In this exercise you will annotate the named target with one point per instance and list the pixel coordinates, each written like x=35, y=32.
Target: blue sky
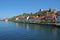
x=9, y=8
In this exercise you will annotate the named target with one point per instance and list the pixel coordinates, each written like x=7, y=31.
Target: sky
x=10, y=8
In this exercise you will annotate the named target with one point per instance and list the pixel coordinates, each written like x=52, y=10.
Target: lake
x=22, y=31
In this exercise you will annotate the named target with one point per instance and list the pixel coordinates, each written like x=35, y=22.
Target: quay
x=51, y=24
x=48, y=24
x=57, y=24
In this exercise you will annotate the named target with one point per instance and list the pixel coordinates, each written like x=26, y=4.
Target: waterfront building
x=58, y=19
x=58, y=16
x=28, y=18
x=6, y=19
x=50, y=17
x=17, y=18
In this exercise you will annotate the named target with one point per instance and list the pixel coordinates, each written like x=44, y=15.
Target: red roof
x=51, y=15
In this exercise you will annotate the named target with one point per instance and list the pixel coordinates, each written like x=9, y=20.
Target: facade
x=17, y=18
x=6, y=19
x=58, y=16
x=49, y=17
x=58, y=13
x=23, y=18
x=58, y=19
x=28, y=18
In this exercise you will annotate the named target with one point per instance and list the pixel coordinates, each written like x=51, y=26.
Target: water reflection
x=22, y=31
x=6, y=23
x=27, y=27
x=40, y=32
x=33, y=26
x=54, y=33
x=17, y=24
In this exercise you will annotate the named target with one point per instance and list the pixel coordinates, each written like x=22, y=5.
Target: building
x=58, y=16
x=6, y=19
x=50, y=17
x=17, y=18
x=28, y=18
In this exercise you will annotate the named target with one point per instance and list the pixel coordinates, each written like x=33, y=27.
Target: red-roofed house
x=49, y=17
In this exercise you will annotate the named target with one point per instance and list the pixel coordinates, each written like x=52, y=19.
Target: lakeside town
x=42, y=16
x=29, y=19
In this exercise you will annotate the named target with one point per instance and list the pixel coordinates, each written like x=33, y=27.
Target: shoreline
x=47, y=24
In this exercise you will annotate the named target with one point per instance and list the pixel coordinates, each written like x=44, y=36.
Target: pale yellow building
x=6, y=19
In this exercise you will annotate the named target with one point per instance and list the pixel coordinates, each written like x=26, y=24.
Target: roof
x=53, y=16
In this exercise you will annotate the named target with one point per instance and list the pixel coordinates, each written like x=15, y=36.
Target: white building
x=27, y=17
x=6, y=19
x=17, y=18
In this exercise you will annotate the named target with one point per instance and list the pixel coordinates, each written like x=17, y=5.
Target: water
x=20, y=31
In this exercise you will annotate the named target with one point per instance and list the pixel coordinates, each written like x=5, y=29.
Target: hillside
x=40, y=13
